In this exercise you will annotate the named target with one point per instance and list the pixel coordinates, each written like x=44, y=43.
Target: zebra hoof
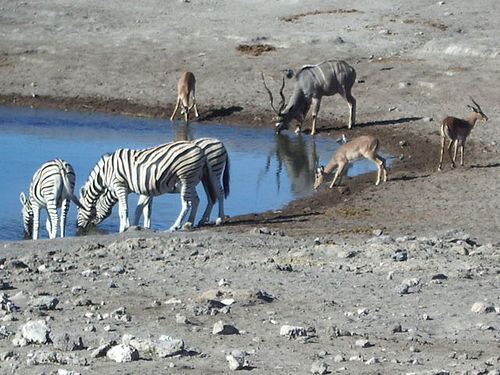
x=218, y=221
x=187, y=226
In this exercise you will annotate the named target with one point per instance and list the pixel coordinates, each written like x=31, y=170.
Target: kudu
x=365, y=146
x=457, y=130
x=312, y=83
x=185, y=89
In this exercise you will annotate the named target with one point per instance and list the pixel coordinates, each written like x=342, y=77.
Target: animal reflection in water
x=300, y=161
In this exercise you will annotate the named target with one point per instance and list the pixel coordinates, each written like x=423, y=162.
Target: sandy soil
x=332, y=263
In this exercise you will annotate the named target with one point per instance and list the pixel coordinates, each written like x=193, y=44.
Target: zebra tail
x=226, y=178
x=68, y=188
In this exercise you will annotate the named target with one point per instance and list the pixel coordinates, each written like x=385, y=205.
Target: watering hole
x=267, y=170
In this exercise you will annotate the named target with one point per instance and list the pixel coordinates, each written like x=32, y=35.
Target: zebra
x=170, y=167
x=218, y=162
x=51, y=188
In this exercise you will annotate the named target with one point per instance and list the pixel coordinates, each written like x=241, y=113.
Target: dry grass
x=318, y=12
x=255, y=49
x=349, y=212
x=440, y=26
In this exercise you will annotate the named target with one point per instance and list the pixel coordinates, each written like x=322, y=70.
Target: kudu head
x=478, y=113
x=283, y=120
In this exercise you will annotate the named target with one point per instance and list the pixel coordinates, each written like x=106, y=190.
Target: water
x=267, y=171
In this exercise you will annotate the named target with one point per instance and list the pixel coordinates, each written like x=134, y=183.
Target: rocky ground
x=397, y=279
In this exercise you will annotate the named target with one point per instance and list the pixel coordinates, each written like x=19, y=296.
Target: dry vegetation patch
x=255, y=49
x=318, y=12
x=437, y=25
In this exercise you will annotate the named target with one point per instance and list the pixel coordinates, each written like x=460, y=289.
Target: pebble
x=35, y=332
x=363, y=343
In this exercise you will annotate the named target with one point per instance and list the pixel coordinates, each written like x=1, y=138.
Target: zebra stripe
x=175, y=166
x=218, y=162
x=51, y=188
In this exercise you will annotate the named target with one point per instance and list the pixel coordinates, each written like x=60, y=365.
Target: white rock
x=237, y=360
x=36, y=332
x=483, y=307
x=319, y=368
x=292, y=331
x=123, y=353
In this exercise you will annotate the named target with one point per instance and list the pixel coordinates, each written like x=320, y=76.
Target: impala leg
x=64, y=213
x=175, y=109
x=194, y=105
x=443, y=142
x=449, y=153
x=462, y=147
x=338, y=174
x=316, y=102
x=352, y=109
x=455, y=153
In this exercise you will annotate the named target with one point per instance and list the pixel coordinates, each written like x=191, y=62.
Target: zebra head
x=27, y=212
x=87, y=211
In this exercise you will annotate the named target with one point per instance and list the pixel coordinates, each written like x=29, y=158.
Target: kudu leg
x=352, y=110
x=315, y=109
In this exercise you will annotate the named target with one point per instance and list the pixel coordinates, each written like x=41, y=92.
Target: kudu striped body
x=312, y=83
x=175, y=166
x=51, y=188
x=457, y=130
x=218, y=162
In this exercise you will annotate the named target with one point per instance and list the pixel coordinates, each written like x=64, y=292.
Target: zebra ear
x=22, y=198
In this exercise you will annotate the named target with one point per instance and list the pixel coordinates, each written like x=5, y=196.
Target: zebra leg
x=186, y=196
x=123, y=210
x=52, y=217
x=36, y=221
x=210, y=203
x=64, y=212
x=143, y=207
x=195, y=201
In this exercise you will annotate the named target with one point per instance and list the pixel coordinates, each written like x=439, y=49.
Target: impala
x=365, y=146
x=185, y=89
x=457, y=130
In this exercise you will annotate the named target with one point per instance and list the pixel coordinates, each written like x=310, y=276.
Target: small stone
x=319, y=368
x=339, y=358
x=46, y=303
x=237, y=360
x=292, y=331
x=372, y=361
x=483, y=307
x=224, y=329
x=363, y=343
x=400, y=256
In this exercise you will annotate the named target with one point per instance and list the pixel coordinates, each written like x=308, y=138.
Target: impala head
x=283, y=119
x=27, y=212
x=477, y=110
x=319, y=177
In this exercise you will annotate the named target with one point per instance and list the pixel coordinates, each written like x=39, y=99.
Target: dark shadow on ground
x=491, y=165
x=408, y=178
x=221, y=112
x=380, y=122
